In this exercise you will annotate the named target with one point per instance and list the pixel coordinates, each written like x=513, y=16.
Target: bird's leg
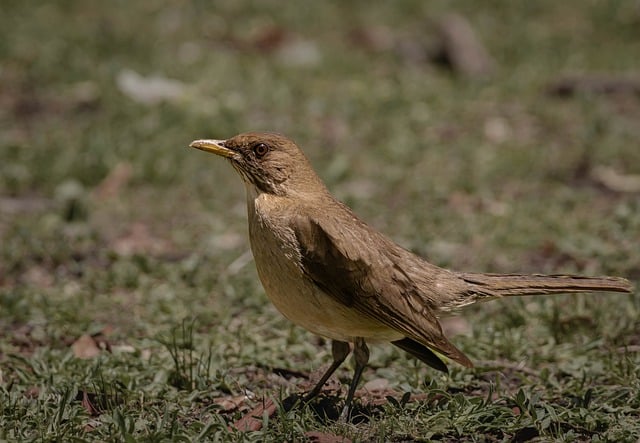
x=340, y=350
x=361, y=357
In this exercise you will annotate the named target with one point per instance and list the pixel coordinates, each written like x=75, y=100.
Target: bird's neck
x=307, y=194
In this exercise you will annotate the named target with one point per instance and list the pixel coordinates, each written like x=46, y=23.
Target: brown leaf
x=453, y=326
x=139, y=240
x=321, y=437
x=87, y=404
x=114, y=182
x=252, y=421
x=149, y=90
x=594, y=84
x=270, y=38
x=372, y=38
x=39, y=276
x=378, y=395
x=32, y=392
x=101, y=341
x=462, y=49
x=376, y=385
x=85, y=347
x=331, y=386
x=616, y=181
x=230, y=403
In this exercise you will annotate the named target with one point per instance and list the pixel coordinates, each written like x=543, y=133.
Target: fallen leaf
x=123, y=349
x=462, y=49
x=453, y=326
x=377, y=384
x=270, y=38
x=24, y=204
x=84, y=95
x=373, y=38
x=615, y=181
x=114, y=182
x=139, y=241
x=39, y=276
x=299, y=53
x=252, y=421
x=85, y=347
x=496, y=129
x=230, y=403
x=32, y=392
x=594, y=84
x=88, y=405
x=290, y=373
x=149, y=90
x=321, y=437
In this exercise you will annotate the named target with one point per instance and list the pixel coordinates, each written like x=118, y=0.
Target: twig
x=496, y=364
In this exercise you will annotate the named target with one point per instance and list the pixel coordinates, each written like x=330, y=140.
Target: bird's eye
x=260, y=149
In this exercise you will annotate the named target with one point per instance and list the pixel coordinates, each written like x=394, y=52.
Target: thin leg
x=361, y=356
x=340, y=350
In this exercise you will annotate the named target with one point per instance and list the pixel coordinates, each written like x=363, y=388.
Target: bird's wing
x=368, y=281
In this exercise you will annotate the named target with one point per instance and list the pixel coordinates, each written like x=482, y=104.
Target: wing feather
x=369, y=281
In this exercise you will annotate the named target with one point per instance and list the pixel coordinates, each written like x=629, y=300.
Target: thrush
x=328, y=271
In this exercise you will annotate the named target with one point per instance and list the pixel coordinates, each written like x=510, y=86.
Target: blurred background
x=491, y=136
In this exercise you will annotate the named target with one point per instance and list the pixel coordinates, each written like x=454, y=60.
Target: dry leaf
x=230, y=403
x=113, y=183
x=453, y=326
x=377, y=384
x=462, y=48
x=32, y=392
x=594, y=84
x=252, y=421
x=615, y=181
x=149, y=90
x=373, y=38
x=321, y=437
x=85, y=347
x=299, y=53
x=139, y=240
x=88, y=405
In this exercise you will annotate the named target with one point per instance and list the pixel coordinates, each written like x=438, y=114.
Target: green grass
x=157, y=270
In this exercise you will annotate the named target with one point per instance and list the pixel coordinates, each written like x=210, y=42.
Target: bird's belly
x=304, y=303
x=317, y=312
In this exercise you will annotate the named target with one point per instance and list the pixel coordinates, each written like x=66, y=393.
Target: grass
x=110, y=228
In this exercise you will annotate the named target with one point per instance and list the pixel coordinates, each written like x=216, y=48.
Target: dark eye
x=260, y=149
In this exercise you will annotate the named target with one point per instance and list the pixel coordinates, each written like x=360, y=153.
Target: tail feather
x=424, y=354
x=504, y=285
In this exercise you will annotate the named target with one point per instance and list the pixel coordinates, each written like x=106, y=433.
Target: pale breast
x=277, y=260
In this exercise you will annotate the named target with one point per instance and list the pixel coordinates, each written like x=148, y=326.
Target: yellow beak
x=215, y=146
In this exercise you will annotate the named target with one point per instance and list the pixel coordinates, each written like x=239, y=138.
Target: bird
x=331, y=273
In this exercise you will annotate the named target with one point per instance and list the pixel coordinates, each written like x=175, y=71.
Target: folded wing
x=345, y=266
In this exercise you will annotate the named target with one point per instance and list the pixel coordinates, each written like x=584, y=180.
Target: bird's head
x=269, y=162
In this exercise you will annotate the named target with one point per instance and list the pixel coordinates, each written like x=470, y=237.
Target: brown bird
x=331, y=273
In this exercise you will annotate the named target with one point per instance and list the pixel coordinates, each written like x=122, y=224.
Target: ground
x=129, y=306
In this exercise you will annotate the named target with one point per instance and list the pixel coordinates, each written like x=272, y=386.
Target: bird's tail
x=487, y=286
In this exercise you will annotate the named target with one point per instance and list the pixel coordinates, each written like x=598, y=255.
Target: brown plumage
x=331, y=273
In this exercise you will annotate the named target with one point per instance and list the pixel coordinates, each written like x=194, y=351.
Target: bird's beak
x=215, y=146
